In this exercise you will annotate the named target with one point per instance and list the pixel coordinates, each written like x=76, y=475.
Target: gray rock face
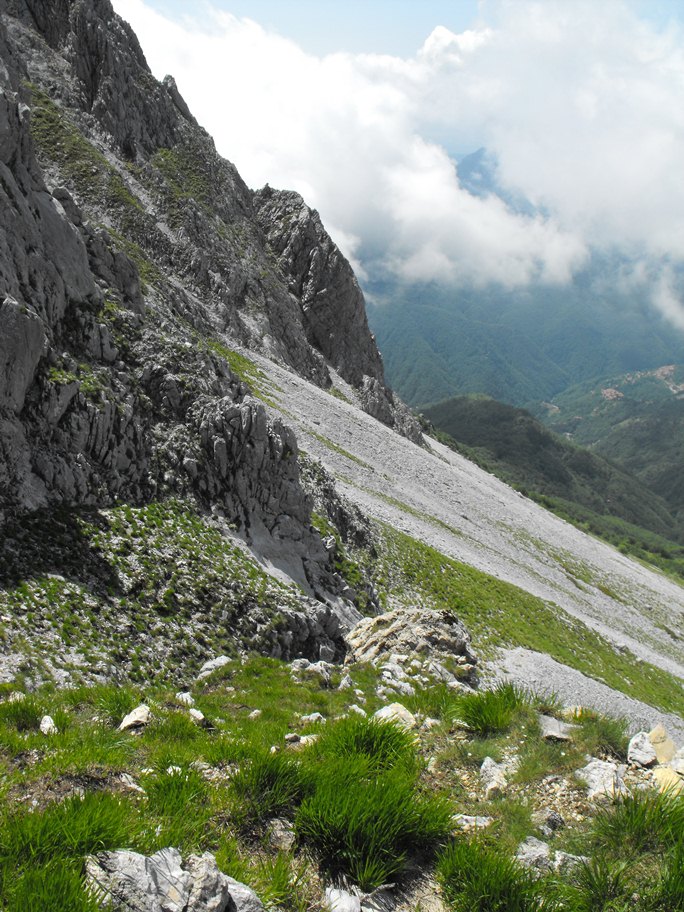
x=319, y=276
x=115, y=345
x=164, y=883
x=115, y=376
x=332, y=304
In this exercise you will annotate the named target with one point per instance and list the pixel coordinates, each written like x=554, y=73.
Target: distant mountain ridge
x=636, y=420
x=517, y=345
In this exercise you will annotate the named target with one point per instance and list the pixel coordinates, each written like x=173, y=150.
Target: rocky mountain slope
x=169, y=341
x=204, y=485
x=132, y=259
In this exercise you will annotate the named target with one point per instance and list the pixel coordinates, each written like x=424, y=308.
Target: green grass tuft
x=478, y=878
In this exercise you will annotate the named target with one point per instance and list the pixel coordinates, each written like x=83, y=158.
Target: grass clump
x=366, y=813
x=270, y=785
x=603, y=735
x=72, y=829
x=363, y=824
x=57, y=886
x=381, y=744
x=114, y=702
x=642, y=821
x=476, y=877
x=21, y=715
x=41, y=853
x=492, y=711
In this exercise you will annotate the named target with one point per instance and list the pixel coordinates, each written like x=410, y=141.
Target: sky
x=364, y=108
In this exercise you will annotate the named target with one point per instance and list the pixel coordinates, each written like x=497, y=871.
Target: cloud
x=579, y=102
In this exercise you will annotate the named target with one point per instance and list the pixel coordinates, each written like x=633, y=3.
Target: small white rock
x=196, y=715
x=312, y=718
x=255, y=713
x=185, y=697
x=47, y=726
x=641, y=751
x=341, y=901
x=137, y=718
x=395, y=712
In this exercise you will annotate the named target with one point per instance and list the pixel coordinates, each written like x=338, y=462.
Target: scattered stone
x=185, y=697
x=663, y=745
x=395, y=712
x=358, y=710
x=603, y=779
x=564, y=862
x=308, y=739
x=641, y=750
x=137, y=718
x=346, y=683
x=197, y=716
x=341, y=901
x=47, y=726
x=493, y=776
x=667, y=780
x=467, y=822
x=292, y=738
x=129, y=783
x=255, y=713
x=211, y=666
x=244, y=897
x=312, y=718
x=535, y=855
x=555, y=730
x=280, y=834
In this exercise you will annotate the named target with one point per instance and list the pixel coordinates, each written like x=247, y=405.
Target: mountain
x=225, y=544
x=518, y=346
x=636, y=419
x=191, y=459
x=575, y=482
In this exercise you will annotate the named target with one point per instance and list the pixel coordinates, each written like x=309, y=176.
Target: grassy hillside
x=582, y=486
x=518, y=347
x=637, y=420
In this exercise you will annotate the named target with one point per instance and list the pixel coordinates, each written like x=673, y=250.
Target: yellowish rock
x=663, y=745
x=667, y=780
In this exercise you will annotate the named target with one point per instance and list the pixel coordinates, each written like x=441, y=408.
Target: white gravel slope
x=472, y=516
x=543, y=674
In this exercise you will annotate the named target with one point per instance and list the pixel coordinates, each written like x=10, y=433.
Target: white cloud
x=579, y=101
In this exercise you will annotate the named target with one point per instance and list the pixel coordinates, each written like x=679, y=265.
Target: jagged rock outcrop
x=322, y=281
x=419, y=633
x=163, y=882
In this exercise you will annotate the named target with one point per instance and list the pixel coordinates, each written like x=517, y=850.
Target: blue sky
x=377, y=26
x=361, y=106
x=358, y=26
